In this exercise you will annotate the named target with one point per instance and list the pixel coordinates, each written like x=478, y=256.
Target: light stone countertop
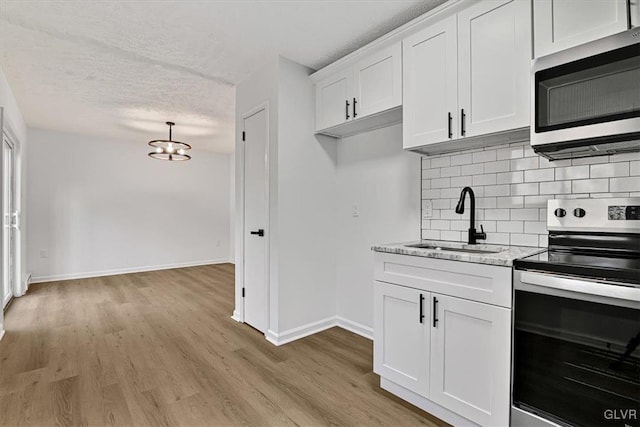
x=505, y=257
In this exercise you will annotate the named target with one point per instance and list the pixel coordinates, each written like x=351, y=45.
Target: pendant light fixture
x=168, y=149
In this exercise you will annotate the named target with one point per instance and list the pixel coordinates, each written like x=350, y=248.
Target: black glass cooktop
x=603, y=267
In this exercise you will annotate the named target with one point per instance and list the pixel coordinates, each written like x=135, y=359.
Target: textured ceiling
x=123, y=68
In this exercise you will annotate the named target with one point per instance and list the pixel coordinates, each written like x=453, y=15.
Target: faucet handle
x=481, y=235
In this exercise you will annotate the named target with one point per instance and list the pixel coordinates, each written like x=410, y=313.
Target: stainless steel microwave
x=586, y=99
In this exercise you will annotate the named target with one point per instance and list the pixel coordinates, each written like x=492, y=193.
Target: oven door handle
x=612, y=294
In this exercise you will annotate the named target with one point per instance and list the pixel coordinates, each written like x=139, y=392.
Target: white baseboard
x=86, y=275
x=237, y=317
x=319, y=326
x=1, y=334
x=355, y=327
x=301, y=331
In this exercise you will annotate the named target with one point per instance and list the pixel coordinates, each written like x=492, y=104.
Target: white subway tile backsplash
x=452, y=235
x=524, y=239
x=535, y=227
x=497, y=166
x=450, y=171
x=474, y=169
x=555, y=187
x=512, y=187
x=510, y=177
x=608, y=170
x=441, y=183
x=631, y=183
x=461, y=181
x=537, y=175
x=497, y=190
x=512, y=226
x=484, y=179
x=590, y=186
x=440, y=162
x=524, y=189
x=510, y=202
x=509, y=153
x=524, y=163
x=590, y=160
x=461, y=159
x=535, y=201
x=572, y=172
x=527, y=214
x=431, y=173
x=484, y=156
x=497, y=214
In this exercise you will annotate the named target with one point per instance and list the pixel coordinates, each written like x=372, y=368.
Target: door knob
x=260, y=232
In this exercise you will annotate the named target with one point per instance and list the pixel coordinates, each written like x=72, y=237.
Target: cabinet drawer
x=478, y=282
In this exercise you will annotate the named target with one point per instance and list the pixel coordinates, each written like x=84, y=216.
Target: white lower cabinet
x=451, y=353
x=470, y=360
x=401, y=336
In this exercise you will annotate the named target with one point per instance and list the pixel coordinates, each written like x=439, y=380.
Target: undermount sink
x=444, y=248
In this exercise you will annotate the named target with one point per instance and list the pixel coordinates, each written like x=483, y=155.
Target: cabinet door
x=430, y=94
x=470, y=359
x=401, y=336
x=560, y=24
x=332, y=96
x=494, y=66
x=378, y=82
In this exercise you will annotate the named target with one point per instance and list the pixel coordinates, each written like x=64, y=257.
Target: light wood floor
x=159, y=348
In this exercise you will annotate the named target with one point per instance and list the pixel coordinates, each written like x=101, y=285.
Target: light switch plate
x=427, y=209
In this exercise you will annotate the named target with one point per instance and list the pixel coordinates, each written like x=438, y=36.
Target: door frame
x=238, y=313
x=6, y=132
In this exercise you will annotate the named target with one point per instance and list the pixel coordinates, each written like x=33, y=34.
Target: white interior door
x=431, y=85
x=256, y=134
x=7, y=222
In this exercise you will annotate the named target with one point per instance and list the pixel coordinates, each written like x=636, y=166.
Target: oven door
x=576, y=353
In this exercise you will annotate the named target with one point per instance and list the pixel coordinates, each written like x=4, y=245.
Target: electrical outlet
x=44, y=253
x=427, y=209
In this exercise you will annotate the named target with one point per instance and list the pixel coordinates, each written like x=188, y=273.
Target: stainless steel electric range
x=576, y=355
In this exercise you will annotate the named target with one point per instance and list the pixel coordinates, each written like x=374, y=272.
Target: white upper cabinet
x=470, y=359
x=401, y=336
x=468, y=75
x=560, y=24
x=430, y=85
x=494, y=67
x=378, y=82
x=332, y=100
x=351, y=100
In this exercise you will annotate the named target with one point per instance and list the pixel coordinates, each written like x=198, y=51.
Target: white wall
x=383, y=181
x=97, y=206
x=306, y=205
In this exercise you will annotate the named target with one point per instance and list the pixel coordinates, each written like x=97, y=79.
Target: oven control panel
x=624, y=213
x=607, y=215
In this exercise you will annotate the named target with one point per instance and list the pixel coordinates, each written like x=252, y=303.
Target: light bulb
x=181, y=151
x=159, y=150
x=170, y=148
